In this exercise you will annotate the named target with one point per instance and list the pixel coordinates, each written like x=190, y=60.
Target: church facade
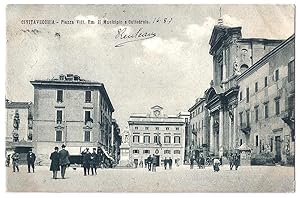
x=250, y=99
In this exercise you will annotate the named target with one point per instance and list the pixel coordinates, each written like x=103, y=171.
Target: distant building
x=19, y=124
x=158, y=134
x=72, y=111
x=251, y=98
x=116, y=140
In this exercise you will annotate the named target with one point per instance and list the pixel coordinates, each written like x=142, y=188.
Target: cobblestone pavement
x=179, y=179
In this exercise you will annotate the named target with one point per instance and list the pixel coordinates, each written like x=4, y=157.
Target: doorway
x=277, y=149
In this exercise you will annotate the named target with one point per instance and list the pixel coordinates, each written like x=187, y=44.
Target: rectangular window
x=167, y=151
x=156, y=128
x=58, y=116
x=155, y=139
x=291, y=106
x=266, y=110
x=177, y=139
x=256, y=113
x=167, y=139
x=256, y=140
x=177, y=128
x=135, y=151
x=277, y=107
x=247, y=94
x=87, y=136
x=271, y=145
x=256, y=87
x=248, y=118
x=147, y=139
x=88, y=96
x=241, y=95
x=136, y=139
x=146, y=128
x=58, y=136
x=176, y=151
x=136, y=128
x=59, y=96
x=241, y=142
x=167, y=128
x=266, y=81
x=146, y=151
x=87, y=116
x=277, y=75
x=241, y=118
x=291, y=71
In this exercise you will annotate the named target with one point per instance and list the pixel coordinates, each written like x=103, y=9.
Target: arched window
x=243, y=68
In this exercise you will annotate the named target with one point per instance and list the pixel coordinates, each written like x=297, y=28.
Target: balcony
x=245, y=128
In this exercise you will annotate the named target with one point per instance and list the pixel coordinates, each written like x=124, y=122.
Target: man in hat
x=15, y=159
x=63, y=160
x=86, y=158
x=94, y=161
x=30, y=160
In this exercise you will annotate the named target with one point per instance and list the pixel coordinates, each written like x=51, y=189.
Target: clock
x=156, y=113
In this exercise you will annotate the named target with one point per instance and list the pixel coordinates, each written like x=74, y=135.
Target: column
x=224, y=65
x=211, y=136
x=229, y=133
x=221, y=125
x=112, y=141
x=235, y=120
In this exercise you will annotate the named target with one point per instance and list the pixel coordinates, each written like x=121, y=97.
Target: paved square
x=179, y=179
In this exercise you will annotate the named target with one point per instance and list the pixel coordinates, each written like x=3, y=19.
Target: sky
x=171, y=69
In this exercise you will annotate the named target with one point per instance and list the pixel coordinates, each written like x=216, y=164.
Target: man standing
x=86, y=158
x=165, y=163
x=149, y=162
x=54, y=167
x=231, y=161
x=94, y=161
x=170, y=163
x=30, y=161
x=236, y=160
x=191, y=162
x=63, y=160
x=154, y=163
x=15, y=159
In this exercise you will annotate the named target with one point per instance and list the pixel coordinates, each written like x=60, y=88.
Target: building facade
x=156, y=133
x=72, y=111
x=19, y=127
x=251, y=96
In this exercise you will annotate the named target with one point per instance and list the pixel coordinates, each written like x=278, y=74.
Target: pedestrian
x=165, y=163
x=202, y=161
x=141, y=164
x=86, y=159
x=30, y=160
x=135, y=163
x=149, y=161
x=170, y=163
x=216, y=164
x=94, y=161
x=15, y=160
x=191, y=162
x=63, y=160
x=231, y=161
x=236, y=161
x=154, y=163
x=8, y=160
x=54, y=166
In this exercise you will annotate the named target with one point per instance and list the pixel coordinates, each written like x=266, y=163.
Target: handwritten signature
x=126, y=37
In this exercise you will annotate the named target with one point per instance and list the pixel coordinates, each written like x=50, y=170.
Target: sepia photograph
x=150, y=98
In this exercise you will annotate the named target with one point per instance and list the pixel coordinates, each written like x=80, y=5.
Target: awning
x=244, y=147
x=106, y=154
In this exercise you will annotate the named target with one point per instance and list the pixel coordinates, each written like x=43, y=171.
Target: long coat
x=54, y=161
x=30, y=158
x=94, y=159
x=64, y=157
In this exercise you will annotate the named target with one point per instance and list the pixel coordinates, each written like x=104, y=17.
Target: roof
x=80, y=83
x=260, y=62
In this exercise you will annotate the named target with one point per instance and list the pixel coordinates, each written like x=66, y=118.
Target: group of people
x=151, y=163
x=15, y=156
x=168, y=162
x=234, y=160
x=90, y=161
x=200, y=162
x=59, y=161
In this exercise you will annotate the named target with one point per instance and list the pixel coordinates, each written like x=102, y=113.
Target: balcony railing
x=245, y=127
